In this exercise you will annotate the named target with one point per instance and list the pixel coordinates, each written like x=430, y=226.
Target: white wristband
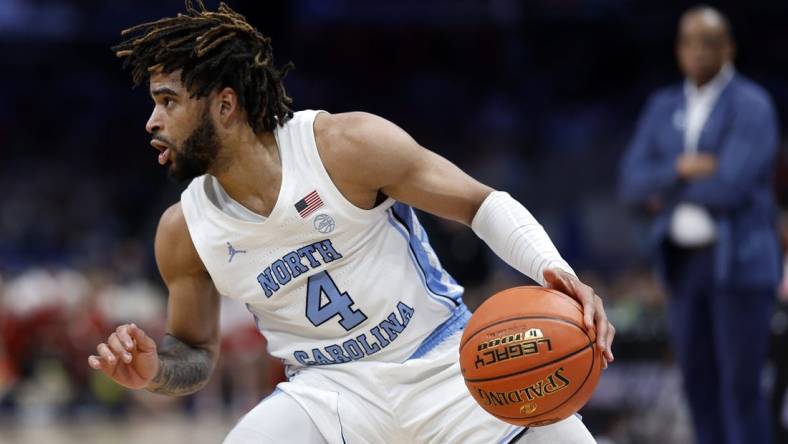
x=515, y=236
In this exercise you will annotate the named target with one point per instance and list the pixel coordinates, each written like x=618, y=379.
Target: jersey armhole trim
x=320, y=169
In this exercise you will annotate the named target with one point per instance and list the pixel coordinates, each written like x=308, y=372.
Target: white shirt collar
x=714, y=87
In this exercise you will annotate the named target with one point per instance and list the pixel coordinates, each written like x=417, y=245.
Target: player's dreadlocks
x=213, y=50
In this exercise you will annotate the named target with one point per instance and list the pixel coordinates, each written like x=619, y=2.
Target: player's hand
x=594, y=315
x=128, y=357
x=696, y=166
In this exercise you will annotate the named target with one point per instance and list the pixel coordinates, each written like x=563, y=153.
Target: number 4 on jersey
x=339, y=304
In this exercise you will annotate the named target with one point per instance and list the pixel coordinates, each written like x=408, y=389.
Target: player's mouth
x=164, y=150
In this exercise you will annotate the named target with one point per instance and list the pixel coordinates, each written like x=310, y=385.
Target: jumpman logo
x=232, y=252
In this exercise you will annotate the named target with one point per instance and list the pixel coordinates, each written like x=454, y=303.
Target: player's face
x=702, y=47
x=181, y=128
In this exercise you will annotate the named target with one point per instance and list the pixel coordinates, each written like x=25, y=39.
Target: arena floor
x=203, y=429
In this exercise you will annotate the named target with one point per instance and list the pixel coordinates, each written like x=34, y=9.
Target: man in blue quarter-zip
x=702, y=162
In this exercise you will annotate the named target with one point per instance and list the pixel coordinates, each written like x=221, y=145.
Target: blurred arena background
x=537, y=97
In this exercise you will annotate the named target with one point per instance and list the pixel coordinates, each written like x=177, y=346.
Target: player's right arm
x=185, y=359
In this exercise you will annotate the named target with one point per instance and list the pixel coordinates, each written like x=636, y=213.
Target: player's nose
x=153, y=125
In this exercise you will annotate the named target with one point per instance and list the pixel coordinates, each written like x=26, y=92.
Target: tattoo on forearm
x=183, y=369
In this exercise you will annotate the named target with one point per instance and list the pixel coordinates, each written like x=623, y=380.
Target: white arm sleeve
x=516, y=237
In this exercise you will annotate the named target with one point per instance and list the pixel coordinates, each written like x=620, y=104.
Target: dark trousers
x=779, y=357
x=720, y=338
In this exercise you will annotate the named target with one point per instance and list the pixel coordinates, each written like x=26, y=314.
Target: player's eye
x=167, y=102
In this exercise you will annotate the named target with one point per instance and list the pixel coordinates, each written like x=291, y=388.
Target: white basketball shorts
x=418, y=401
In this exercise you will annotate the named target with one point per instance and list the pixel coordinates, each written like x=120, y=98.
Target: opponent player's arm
x=367, y=155
x=190, y=349
x=184, y=361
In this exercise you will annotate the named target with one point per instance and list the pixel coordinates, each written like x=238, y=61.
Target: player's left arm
x=367, y=155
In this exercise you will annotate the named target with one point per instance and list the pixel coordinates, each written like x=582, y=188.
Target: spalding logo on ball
x=527, y=358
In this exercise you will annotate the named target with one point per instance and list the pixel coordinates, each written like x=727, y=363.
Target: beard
x=197, y=153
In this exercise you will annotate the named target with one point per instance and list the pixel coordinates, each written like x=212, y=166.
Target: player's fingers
x=601, y=327
x=611, y=332
x=590, y=311
x=118, y=349
x=571, y=285
x=125, y=337
x=585, y=295
x=144, y=342
x=99, y=363
x=605, y=328
x=94, y=362
x=604, y=360
x=108, y=358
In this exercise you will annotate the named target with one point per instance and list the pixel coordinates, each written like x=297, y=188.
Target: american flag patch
x=309, y=204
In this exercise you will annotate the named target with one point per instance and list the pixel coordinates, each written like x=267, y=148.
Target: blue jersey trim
x=444, y=300
x=436, y=279
x=439, y=280
x=451, y=326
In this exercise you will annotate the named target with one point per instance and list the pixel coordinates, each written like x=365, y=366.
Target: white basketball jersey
x=327, y=282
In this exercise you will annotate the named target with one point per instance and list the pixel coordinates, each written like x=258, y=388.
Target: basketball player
x=307, y=219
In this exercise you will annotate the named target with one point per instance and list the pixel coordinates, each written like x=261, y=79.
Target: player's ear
x=227, y=103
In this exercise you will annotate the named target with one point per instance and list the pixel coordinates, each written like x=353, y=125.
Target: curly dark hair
x=214, y=50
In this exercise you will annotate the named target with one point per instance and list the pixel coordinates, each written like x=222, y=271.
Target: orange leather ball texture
x=527, y=358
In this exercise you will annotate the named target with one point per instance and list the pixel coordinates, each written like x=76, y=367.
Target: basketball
x=527, y=358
